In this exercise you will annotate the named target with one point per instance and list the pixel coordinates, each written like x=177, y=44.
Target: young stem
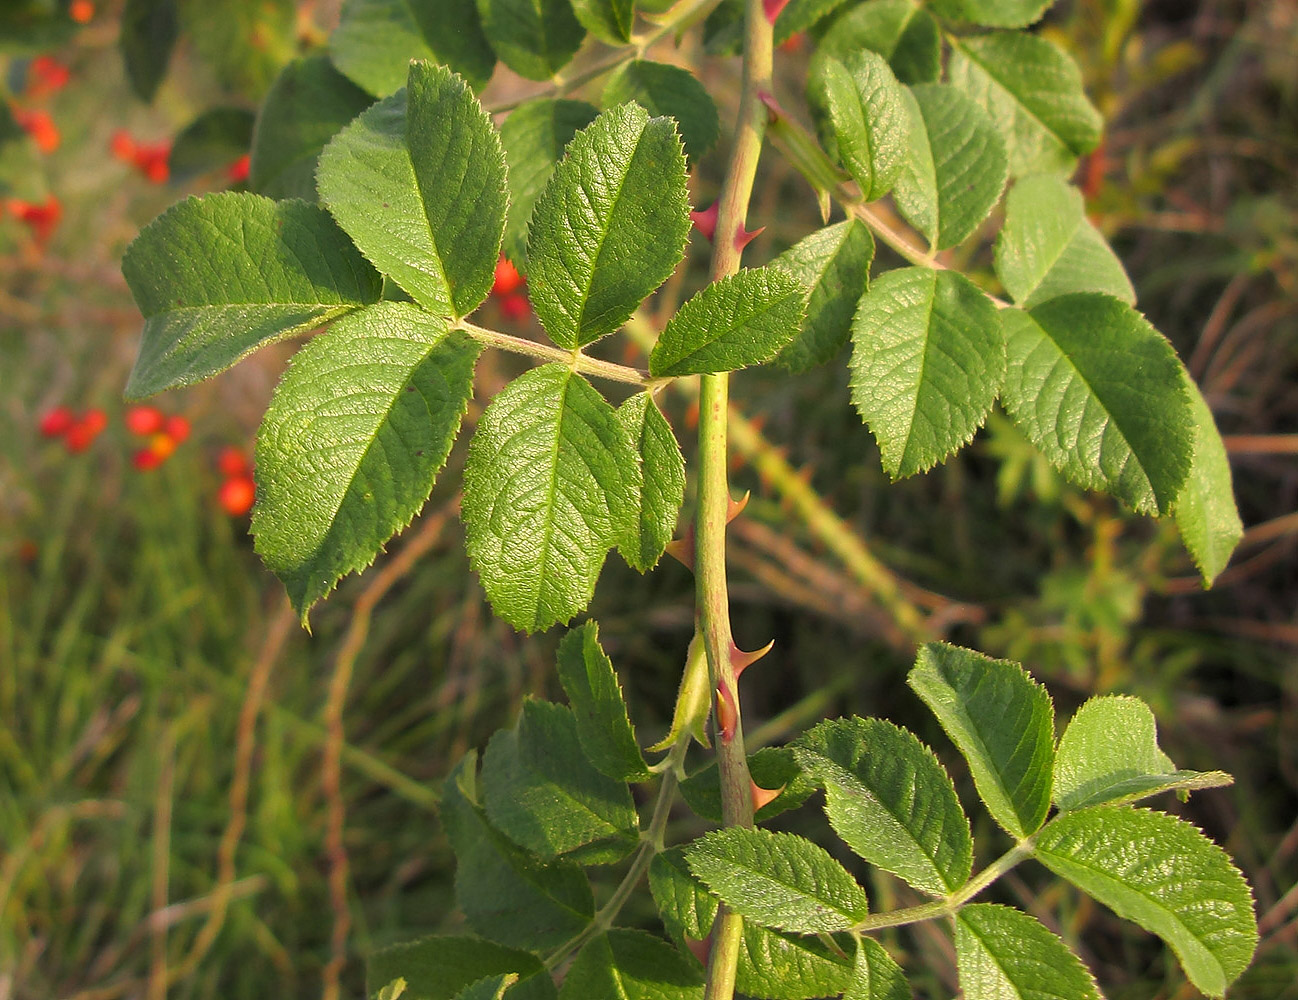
x=714, y=490
x=575, y=360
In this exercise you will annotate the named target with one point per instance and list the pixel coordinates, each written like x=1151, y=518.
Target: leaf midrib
x=1012, y=96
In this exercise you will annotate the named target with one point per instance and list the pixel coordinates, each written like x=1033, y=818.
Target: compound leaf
x=955, y=168
x=376, y=40
x=1103, y=395
x=663, y=89
x=631, y=965
x=875, y=976
x=1048, y=247
x=418, y=181
x=438, y=968
x=542, y=792
x=864, y=118
x=610, y=226
x=903, y=33
x=662, y=488
x=1003, y=723
x=549, y=488
x=534, y=38
x=1205, y=509
x=928, y=361
x=218, y=277
x=603, y=727
x=353, y=440
x=1033, y=91
x=534, y=136
x=743, y=319
x=1004, y=954
x=1163, y=874
x=308, y=104
x=890, y=800
x=777, y=880
x=1109, y=753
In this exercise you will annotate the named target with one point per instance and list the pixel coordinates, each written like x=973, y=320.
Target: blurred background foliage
x=183, y=772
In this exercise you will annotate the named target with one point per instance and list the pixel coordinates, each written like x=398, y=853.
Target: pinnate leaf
x=1048, y=247
x=662, y=489
x=663, y=89
x=308, y=104
x=353, y=440
x=928, y=361
x=1033, y=91
x=631, y=965
x=875, y=976
x=1109, y=752
x=218, y=277
x=955, y=168
x=1004, y=954
x=534, y=38
x=903, y=33
x=549, y=487
x=833, y=267
x=542, y=792
x=603, y=727
x=1205, y=509
x=890, y=800
x=506, y=893
x=418, y=181
x=534, y=136
x=1163, y=874
x=376, y=40
x=610, y=226
x=743, y=319
x=437, y=968
x=777, y=880
x=993, y=13
x=1102, y=394
x=865, y=118
x=1002, y=721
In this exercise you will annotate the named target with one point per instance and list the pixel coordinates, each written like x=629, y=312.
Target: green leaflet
x=218, y=277
x=686, y=909
x=1163, y=874
x=603, y=727
x=418, y=181
x=1205, y=508
x=608, y=20
x=308, y=104
x=631, y=965
x=1102, y=394
x=890, y=800
x=534, y=38
x=549, y=488
x=1003, y=723
x=1109, y=753
x=610, y=226
x=662, y=490
x=376, y=40
x=148, y=34
x=438, y=968
x=928, y=361
x=904, y=34
x=216, y=138
x=1047, y=247
x=833, y=266
x=541, y=792
x=993, y=13
x=1033, y=91
x=488, y=988
x=353, y=440
x=875, y=976
x=534, y=136
x=1004, y=954
x=506, y=893
x=743, y=319
x=955, y=168
x=864, y=117
x=777, y=880
x=663, y=89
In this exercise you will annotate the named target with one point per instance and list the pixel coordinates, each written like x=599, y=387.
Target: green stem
x=546, y=352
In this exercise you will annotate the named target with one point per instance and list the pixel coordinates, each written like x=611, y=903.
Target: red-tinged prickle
x=236, y=495
x=705, y=221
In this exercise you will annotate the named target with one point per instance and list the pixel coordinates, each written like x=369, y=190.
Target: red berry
x=238, y=170
x=162, y=445
x=236, y=495
x=81, y=11
x=515, y=306
x=123, y=146
x=176, y=427
x=95, y=420
x=79, y=437
x=507, y=278
x=232, y=463
x=40, y=126
x=57, y=422
x=146, y=458
x=45, y=75
x=143, y=420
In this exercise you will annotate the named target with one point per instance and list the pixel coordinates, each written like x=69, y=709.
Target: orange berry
x=56, y=422
x=45, y=75
x=81, y=11
x=82, y=434
x=143, y=420
x=515, y=306
x=40, y=219
x=146, y=459
x=176, y=427
x=162, y=445
x=40, y=126
x=232, y=463
x=95, y=419
x=236, y=495
x=123, y=146
x=157, y=171
x=507, y=277
x=238, y=170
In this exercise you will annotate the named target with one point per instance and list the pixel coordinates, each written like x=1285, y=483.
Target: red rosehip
x=236, y=495
x=232, y=463
x=146, y=458
x=81, y=11
x=94, y=419
x=143, y=420
x=123, y=146
x=515, y=306
x=176, y=427
x=57, y=422
x=238, y=170
x=40, y=126
x=162, y=445
x=81, y=435
x=46, y=75
x=40, y=219
x=507, y=278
